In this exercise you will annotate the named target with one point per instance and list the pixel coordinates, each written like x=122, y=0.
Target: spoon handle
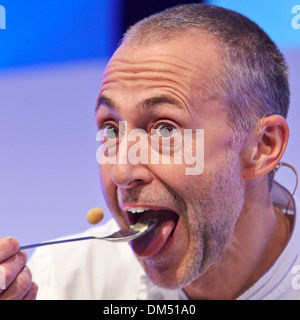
x=35, y=245
x=126, y=234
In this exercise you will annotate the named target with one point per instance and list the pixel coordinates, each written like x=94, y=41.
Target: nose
x=126, y=174
x=130, y=175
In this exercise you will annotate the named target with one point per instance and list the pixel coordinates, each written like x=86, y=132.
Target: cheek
x=171, y=174
x=107, y=186
x=104, y=174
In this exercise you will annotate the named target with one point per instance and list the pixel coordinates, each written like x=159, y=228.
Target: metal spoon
x=133, y=232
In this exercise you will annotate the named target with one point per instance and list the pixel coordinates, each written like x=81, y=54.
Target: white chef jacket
x=100, y=270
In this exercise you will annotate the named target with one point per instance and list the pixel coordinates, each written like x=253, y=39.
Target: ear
x=264, y=146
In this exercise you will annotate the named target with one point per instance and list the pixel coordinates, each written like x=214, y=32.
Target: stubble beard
x=211, y=225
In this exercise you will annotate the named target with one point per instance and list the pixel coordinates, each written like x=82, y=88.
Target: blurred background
x=52, y=56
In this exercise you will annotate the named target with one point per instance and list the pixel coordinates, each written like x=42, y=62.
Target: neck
x=259, y=237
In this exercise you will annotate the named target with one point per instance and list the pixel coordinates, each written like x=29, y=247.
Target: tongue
x=154, y=241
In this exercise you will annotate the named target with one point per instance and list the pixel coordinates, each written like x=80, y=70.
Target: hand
x=15, y=278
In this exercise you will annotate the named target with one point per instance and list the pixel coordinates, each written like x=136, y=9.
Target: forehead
x=188, y=60
x=174, y=78
x=182, y=69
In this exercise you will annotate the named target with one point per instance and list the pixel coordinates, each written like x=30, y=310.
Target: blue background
x=274, y=16
x=39, y=32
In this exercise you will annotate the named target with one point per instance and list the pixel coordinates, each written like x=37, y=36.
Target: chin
x=163, y=275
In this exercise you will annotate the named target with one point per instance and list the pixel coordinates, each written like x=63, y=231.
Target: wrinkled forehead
x=191, y=58
x=179, y=73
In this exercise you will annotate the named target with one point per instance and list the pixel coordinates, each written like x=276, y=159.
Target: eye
x=110, y=132
x=166, y=130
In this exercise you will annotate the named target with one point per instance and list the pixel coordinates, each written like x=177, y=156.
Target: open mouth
x=156, y=239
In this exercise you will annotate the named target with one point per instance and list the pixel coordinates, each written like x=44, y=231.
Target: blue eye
x=110, y=132
x=166, y=130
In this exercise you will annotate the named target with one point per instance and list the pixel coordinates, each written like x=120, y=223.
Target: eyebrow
x=158, y=100
x=103, y=100
x=146, y=104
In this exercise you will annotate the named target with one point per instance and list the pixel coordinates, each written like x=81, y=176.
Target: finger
x=8, y=247
x=31, y=294
x=11, y=267
x=19, y=287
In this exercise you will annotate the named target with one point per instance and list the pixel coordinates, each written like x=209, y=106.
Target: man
x=221, y=233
